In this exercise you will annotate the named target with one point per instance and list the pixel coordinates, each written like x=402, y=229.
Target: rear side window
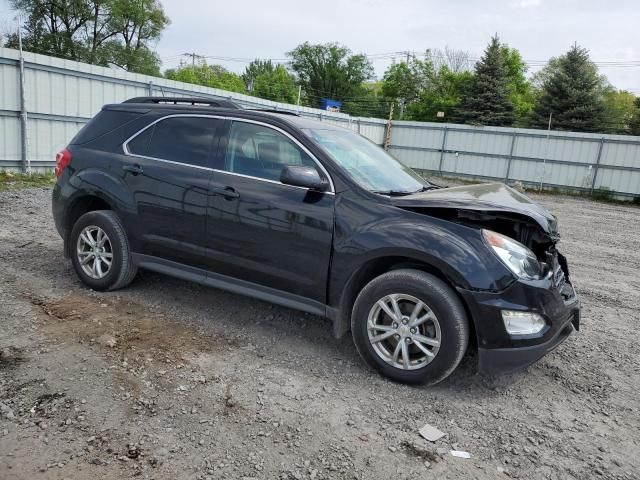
x=179, y=139
x=140, y=144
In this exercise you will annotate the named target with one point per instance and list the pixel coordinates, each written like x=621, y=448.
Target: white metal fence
x=61, y=95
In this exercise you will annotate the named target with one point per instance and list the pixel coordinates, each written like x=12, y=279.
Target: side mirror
x=302, y=176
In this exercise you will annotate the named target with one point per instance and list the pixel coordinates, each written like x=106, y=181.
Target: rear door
x=261, y=230
x=167, y=170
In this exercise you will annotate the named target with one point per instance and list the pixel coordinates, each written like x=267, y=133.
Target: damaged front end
x=542, y=242
x=498, y=208
x=517, y=326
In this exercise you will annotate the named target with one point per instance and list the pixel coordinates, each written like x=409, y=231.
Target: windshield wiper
x=425, y=188
x=392, y=193
x=400, y=193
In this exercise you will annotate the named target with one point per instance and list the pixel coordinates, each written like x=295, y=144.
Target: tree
x=619, y=111
x=443, y=93
x=256, y=68
x=488, y=98
x=137, y=22
x=426, y=87
x=368, y=102
x=214, y=76
x=403, y=81
x=101, y=32
x=265, y=80
x=520, y=90
x=329, y=71
x=572, y=92
x=457, y=61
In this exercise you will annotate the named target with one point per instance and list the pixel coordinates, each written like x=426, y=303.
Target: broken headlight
x=518, y=258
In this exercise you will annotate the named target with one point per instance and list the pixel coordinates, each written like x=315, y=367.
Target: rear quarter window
x=104, y=122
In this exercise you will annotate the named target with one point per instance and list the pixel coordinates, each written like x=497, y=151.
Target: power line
x=392, y=55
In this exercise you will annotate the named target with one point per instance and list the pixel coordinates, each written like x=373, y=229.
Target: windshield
x=369, y=165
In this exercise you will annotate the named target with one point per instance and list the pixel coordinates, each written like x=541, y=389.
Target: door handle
x=226, y=192
x=133, y=169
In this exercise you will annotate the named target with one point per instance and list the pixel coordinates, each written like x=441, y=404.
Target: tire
x=115, y=249
x=407, y=288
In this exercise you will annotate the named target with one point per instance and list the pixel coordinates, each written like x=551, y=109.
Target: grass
x=17, y=181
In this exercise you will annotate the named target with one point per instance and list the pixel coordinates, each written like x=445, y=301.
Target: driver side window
x=259, y=151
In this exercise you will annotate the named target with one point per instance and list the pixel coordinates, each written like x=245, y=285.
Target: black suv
x=316, y=218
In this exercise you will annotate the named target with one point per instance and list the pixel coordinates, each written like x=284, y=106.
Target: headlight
x=518, y=258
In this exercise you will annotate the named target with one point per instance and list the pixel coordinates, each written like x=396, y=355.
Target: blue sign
x=330, y=105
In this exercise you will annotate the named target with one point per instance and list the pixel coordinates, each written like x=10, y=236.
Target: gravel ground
x=168, y=379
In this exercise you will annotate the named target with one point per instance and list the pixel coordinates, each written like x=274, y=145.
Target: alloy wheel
x=94, y=252
x=404, y=331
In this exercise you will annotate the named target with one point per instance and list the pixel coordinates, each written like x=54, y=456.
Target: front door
x=167, y=171
x=262, y=231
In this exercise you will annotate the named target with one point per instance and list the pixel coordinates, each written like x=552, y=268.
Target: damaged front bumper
x=553, y=298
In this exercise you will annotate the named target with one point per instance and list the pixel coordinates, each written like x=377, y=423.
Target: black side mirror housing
x=303, y=176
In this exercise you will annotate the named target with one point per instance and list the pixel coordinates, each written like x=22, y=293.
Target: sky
x=540, y=29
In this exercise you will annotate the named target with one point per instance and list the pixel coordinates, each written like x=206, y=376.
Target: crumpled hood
x=488, y=197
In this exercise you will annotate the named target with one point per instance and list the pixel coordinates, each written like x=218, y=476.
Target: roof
x=216, y=107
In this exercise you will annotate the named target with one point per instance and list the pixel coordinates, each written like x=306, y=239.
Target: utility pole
x=299, y=94
x=387, y=135
x=546, y=153
x=403, y=100
x=26, y=162
x=193, y=57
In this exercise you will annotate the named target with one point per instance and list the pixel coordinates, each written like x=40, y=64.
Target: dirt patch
x=121, y=328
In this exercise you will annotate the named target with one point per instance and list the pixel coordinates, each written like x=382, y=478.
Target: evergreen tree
x=487, y=100
x=572, y=91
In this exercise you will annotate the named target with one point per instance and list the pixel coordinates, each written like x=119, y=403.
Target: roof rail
x=185, y=101
x=273, y=110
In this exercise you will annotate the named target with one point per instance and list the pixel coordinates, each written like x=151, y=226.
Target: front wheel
x=410, y=326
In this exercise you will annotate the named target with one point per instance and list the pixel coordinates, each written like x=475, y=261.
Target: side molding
x=230, y=284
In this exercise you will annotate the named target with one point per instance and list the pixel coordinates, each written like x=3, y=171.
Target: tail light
x=63, y=159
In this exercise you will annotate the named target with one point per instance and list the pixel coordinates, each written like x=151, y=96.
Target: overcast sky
x=538, y=28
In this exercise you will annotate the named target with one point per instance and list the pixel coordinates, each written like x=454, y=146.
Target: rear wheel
x=410, y=326
x=100, y=251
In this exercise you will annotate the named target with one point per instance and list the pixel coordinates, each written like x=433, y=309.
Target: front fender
x=457, y=251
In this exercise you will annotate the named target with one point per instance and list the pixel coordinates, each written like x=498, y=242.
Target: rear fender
x=104, y=185
x=93, y=183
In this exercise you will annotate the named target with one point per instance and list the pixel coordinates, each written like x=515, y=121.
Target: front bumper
x=498, y=361
x=499, y=352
